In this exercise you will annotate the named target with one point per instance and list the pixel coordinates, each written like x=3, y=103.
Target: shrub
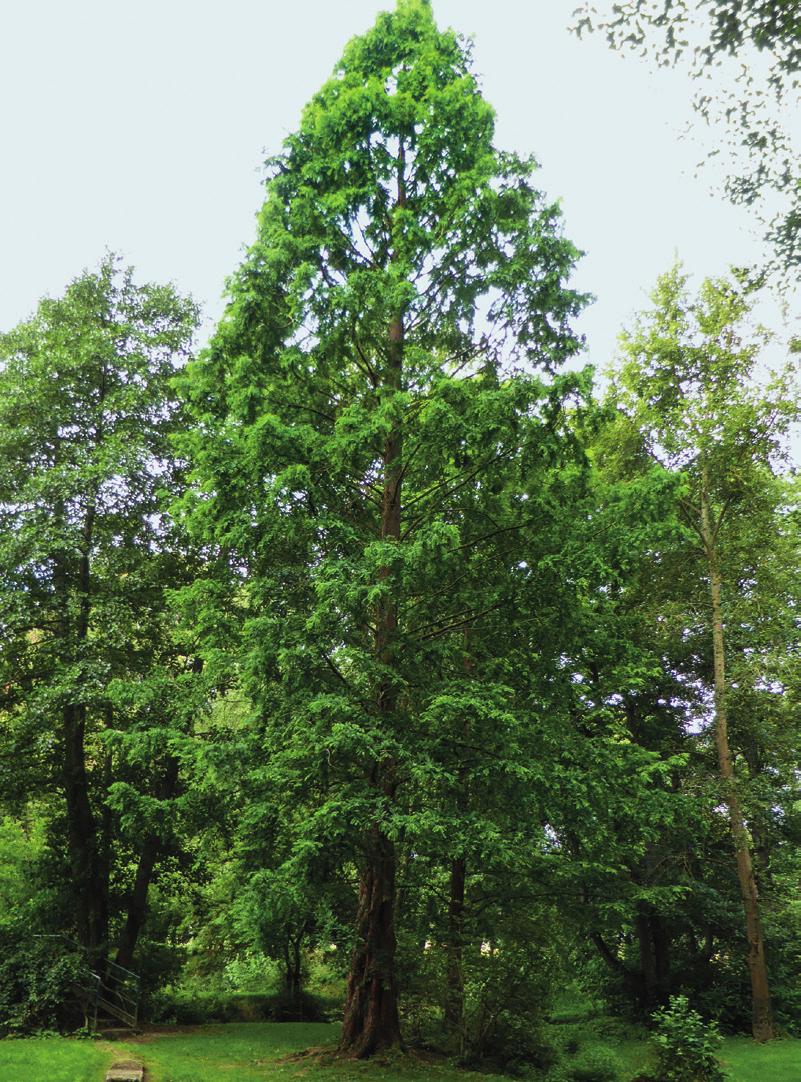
x=686, y=1046
x=38, y=984
x=188, y=1007
x=506, y=999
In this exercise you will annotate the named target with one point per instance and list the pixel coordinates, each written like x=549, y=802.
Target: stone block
x=125, y=1072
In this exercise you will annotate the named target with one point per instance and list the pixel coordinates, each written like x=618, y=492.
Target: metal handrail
x=117, y=991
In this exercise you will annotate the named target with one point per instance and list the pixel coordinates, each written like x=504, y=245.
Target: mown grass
x=255, y=1052
x=746, y=1061
x=265, y=1052
x=235, y=1052
x=53, y=1059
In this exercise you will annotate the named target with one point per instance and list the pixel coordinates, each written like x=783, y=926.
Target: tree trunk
x=371, y=1020
x=454, y=974
x=654, y=958
x=293, y=968
x=89, y=886
x=661, y=941
x=137, y=900
x=454, y=977
x=88, y=883
x=762, y=1018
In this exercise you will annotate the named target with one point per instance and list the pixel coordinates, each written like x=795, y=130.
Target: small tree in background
x=91, y=680
x=689, y=387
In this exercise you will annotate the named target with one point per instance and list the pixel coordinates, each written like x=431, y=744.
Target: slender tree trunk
x=105, y=840
x=661, y=941
x=137, y=902
x=297, y=972
x=454, y=950
x=647, y=974
x=88, y=883
x=762, y=1019
x=371, y=1019
x=293, y=969
x=454, y=976
x=137, y=899
x=654, y=958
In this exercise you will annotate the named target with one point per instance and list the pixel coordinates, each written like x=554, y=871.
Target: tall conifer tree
x=377, y=359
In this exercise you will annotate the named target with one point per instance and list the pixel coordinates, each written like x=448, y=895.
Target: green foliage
x=508, y=988
x=38, y=969
x=37, y=983
x=687, y=1047
x=436, y=617
x=191, y=1006
x=381, y=461
x=98, y=694
x=693, y=401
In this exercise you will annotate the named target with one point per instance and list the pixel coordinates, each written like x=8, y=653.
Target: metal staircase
x=113, y=994
x=117, y=995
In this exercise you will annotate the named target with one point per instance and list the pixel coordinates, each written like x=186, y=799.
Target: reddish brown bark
x=371, y=1021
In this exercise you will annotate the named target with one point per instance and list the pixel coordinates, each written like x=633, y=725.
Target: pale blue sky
x=141, y=127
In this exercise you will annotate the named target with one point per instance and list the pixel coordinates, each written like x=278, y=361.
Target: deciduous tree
x=690, y=385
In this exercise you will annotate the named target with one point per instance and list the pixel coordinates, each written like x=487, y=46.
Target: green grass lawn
x=778, y=1061
x=263, y=1052
x=255, y=1052
x=236, y=1052
x=53, y=1059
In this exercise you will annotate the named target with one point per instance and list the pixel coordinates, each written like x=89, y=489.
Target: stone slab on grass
x=125, y=1072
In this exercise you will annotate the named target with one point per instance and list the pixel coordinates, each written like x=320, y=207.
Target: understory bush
x=507, y=995
x=189, y=1007
x=686, y=1046
x=38, y=984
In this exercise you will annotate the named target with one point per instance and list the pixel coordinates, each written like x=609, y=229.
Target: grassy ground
x=779, y=1061
x=53, y=1059
x=237, y=1052
x=264, y=1052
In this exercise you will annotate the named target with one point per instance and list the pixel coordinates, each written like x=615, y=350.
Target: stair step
x=125, y=1072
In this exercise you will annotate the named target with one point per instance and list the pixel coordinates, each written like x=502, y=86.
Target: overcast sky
x=141, y=127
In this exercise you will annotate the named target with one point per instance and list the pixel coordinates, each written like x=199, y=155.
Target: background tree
x=86, y=411
x=688, y=385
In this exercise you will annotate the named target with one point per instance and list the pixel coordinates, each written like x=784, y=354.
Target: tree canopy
x=371, y=663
